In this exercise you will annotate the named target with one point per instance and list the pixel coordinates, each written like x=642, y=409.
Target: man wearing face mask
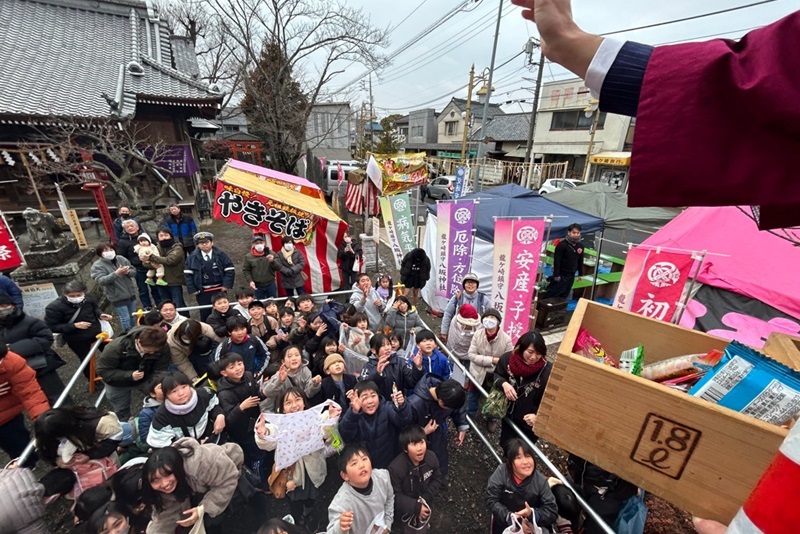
x=123, y=214
x=76, y=317
x=291, y=263
x=32, y=339
x=567, y=261
x=260, y=268
x=170, y=255
x=128, y=361
x=182, y=227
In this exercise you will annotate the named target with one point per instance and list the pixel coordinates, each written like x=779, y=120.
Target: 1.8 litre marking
x=665, y=445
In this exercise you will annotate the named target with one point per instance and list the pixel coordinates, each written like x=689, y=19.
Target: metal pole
x=481, y=145
x=534, y=114
x=682, y=306
x=484, y=440
x=64, y=394
x=540, y=273
x=591, y=144
x=598, y=249
x=466, y=113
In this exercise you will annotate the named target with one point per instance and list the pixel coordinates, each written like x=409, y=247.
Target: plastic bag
x=496, y=404
x=681, y=366
x=632, y=516
x=588, y=346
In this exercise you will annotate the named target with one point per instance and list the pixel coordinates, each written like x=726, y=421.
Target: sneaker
x=161, y=282
x=149, y=282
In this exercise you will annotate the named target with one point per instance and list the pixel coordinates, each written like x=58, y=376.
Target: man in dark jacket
x=171, y=256
x=7, y=285
x=123, y=214
x=128, y=239
x=415, y=475
x=567, y=261
x=208, y=270
x=260, y=268
x=182, y=227
x=128, y=361
x=32, y=339
x=432, y=403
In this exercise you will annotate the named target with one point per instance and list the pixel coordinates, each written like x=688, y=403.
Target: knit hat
x=468, y=316
x=144, y=235
x=491, y=312
x=330, y=360
x=6, y=299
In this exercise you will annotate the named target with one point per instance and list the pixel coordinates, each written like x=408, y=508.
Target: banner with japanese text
x=652, y=282
x=262, y=214
x=10, y=257
x=399, y=225
x=401, y=172
x=462, y=179
x=454, y=237
x=518, y=245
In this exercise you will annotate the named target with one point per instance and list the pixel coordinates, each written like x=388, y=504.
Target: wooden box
x=699, y=456
x=784, y=348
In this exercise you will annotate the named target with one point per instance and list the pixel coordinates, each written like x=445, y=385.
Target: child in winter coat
x=221, y=312
x=375, y=422
x=262, y=326
x=150, y=405
x=280, y=340
x=434, y=361
x=355, y=334
x=388, y=370
x=244, y=296
x=186, y=412
x=383, y=285
x=292, y=373
x=145, y=249
x=403, y=319
x=327, y=346
x=308, y=473
x=337, y=382
x=253, y=351
x=415, y=476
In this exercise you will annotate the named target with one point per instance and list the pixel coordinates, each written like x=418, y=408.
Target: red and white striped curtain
x=354, y=198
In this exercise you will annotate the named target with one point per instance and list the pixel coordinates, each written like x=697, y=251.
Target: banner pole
x=676, y=319
x=598, y=250
x=540, y=273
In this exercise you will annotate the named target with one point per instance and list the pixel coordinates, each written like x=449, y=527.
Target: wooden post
x=25, y=164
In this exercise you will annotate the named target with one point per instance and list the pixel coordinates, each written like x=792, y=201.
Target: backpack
x=479, y=302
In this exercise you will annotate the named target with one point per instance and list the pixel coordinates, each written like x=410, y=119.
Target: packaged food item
x=681, y=366
x=631, y=360
x=587, y=346
x=753, y=384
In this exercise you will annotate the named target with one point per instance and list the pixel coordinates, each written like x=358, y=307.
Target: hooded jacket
x=179, y=353
x=437, y=364
x=504, y=496
x=25, y=392
x=257, y=268
x=21, y=509
x=459, y=338
x=145, y=418
x=482, y=351
x=273, y=389
x=117, y=288
x=415, y=269
x=410, y=482
x=197, y=423
x=32, y=339
x=58, y=313
x=379, y=431
x=253, y=351
x=172, y=259
x=374, y=313
x=398, y=372
x=8, y=286
x=120, y=359
x=402, y=323
x=239, y=424
x=211, y=471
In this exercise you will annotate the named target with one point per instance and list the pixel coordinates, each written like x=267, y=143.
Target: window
x=451, y=127
x=575, y=120
x=417, y=131
x=403, y=131
x=230, y=129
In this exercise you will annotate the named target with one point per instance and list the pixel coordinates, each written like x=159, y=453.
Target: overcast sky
x=418, y=78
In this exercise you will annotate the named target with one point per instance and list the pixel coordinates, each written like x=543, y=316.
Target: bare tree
x=291, y=48
x=120, y=155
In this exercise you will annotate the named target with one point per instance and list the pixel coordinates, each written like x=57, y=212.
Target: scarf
x=521, y=369
x=491, y=337
x=258, y=254
x=182, y=409
x=287, y=255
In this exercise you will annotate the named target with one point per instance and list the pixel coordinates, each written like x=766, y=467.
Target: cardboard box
x=699, y=456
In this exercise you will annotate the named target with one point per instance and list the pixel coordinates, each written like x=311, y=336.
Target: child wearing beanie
x=337, y=382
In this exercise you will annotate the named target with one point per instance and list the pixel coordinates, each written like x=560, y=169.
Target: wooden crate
x=784, y=348
x=699, y=456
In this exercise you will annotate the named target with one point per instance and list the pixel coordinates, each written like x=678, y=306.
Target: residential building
x=328, y=130
x=507, y=135
x=67, y=61
x=402, y=126
x=231, y=120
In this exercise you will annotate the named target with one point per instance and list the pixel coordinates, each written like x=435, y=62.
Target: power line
x=407, y=17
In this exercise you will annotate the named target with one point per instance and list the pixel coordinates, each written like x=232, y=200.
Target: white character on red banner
x=653, y=309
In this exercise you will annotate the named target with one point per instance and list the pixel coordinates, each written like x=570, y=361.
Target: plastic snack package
x=588, y=346
x=753, y=384
x=631, y=360
x=681, y=366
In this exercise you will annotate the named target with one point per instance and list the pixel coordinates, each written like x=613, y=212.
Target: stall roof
x=514, y=201
x=262, y=173
x=606, y=202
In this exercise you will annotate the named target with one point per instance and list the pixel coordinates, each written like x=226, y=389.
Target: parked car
x=556, y=184
x=441, y=188
x=331, y=179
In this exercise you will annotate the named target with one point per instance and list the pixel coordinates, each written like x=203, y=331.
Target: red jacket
x=25, y=392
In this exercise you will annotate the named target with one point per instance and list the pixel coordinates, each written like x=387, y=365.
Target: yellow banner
x=401, y=172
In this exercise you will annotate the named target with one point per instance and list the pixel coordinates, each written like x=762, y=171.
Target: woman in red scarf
x=522, y=374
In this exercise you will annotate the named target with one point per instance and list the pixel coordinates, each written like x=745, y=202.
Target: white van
x=332, y=175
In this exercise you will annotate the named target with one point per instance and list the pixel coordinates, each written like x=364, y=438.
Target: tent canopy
x=514, y=201
x=300, y=185
x=606, y=202
x=758, y=264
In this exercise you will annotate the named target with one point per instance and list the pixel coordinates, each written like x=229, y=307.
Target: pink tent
x=762, y=265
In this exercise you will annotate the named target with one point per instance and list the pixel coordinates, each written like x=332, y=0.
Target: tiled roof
x=68, y=57
x=241, y=136
x=476, y=108
x=508, y=127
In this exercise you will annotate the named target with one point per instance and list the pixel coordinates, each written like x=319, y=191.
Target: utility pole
x=591, y=140
x=466, y=116
x=481, y=144
x=371, y=116
x=534, y=115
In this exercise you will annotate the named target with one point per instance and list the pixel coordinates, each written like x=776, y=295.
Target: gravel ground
x=459, y=507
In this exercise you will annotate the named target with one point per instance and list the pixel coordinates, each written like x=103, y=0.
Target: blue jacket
x=7, y=285
x=379, y=432
x=183, y=229
x=437, y=364
x=194, y=266
x=145, y=419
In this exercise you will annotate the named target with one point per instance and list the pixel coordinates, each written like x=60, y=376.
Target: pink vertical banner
x=526, y=246
x=661, y=284
x=634, y=265
x=444, y=211
x=502, y=257
x=459, y=254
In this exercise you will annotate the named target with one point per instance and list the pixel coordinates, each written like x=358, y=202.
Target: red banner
x=262, y=214
x=9, y=255
x=661, y=283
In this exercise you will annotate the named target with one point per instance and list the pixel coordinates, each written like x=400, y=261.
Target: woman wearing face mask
x=76, y=316
x=349, y=260
x=291, y=263
x=171, y=256
x=117, y=278
x=485, y=349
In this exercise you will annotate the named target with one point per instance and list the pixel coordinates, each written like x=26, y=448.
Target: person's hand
x=342, y=348
x=121, y=271
x=424, y=512
x=290, y=485
x=495, y=360
x=82, y=325
x=511, y=393
x=253, y=285
x=461, y=435
x=417, y=360
x=430, y=427
x=345, y=326
x=4, y=388
x=105, y=317
x=345, y=521
x=193, y=516
x=249, y=402
x=137, y=375
x=322, y=329
x=270, y=258
x=707, y=526
x=412, y=331
x=525, y=512
x=356, y=340
x=261, y=426
x=301, y=323
x=443, y=337
x=334, y=411
x=283, y=372
x=317, y=380
x=383, y=362
x=355, y=402
x=396, y=304
x=219, y=424
x=530, y=419
x=378, y=303
x=399, y=398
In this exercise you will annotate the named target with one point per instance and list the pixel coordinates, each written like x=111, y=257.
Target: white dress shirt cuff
x=601, y=63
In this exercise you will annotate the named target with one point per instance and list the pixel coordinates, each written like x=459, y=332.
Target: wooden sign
x=376, y=229
x=77, y=229
x=36, y=297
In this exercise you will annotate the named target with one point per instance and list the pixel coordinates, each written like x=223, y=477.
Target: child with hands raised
x=292, y=373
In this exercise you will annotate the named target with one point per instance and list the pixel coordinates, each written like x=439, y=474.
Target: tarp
x=301, y=185
x=606, y=202
x=762, y=265
x=514, y=201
